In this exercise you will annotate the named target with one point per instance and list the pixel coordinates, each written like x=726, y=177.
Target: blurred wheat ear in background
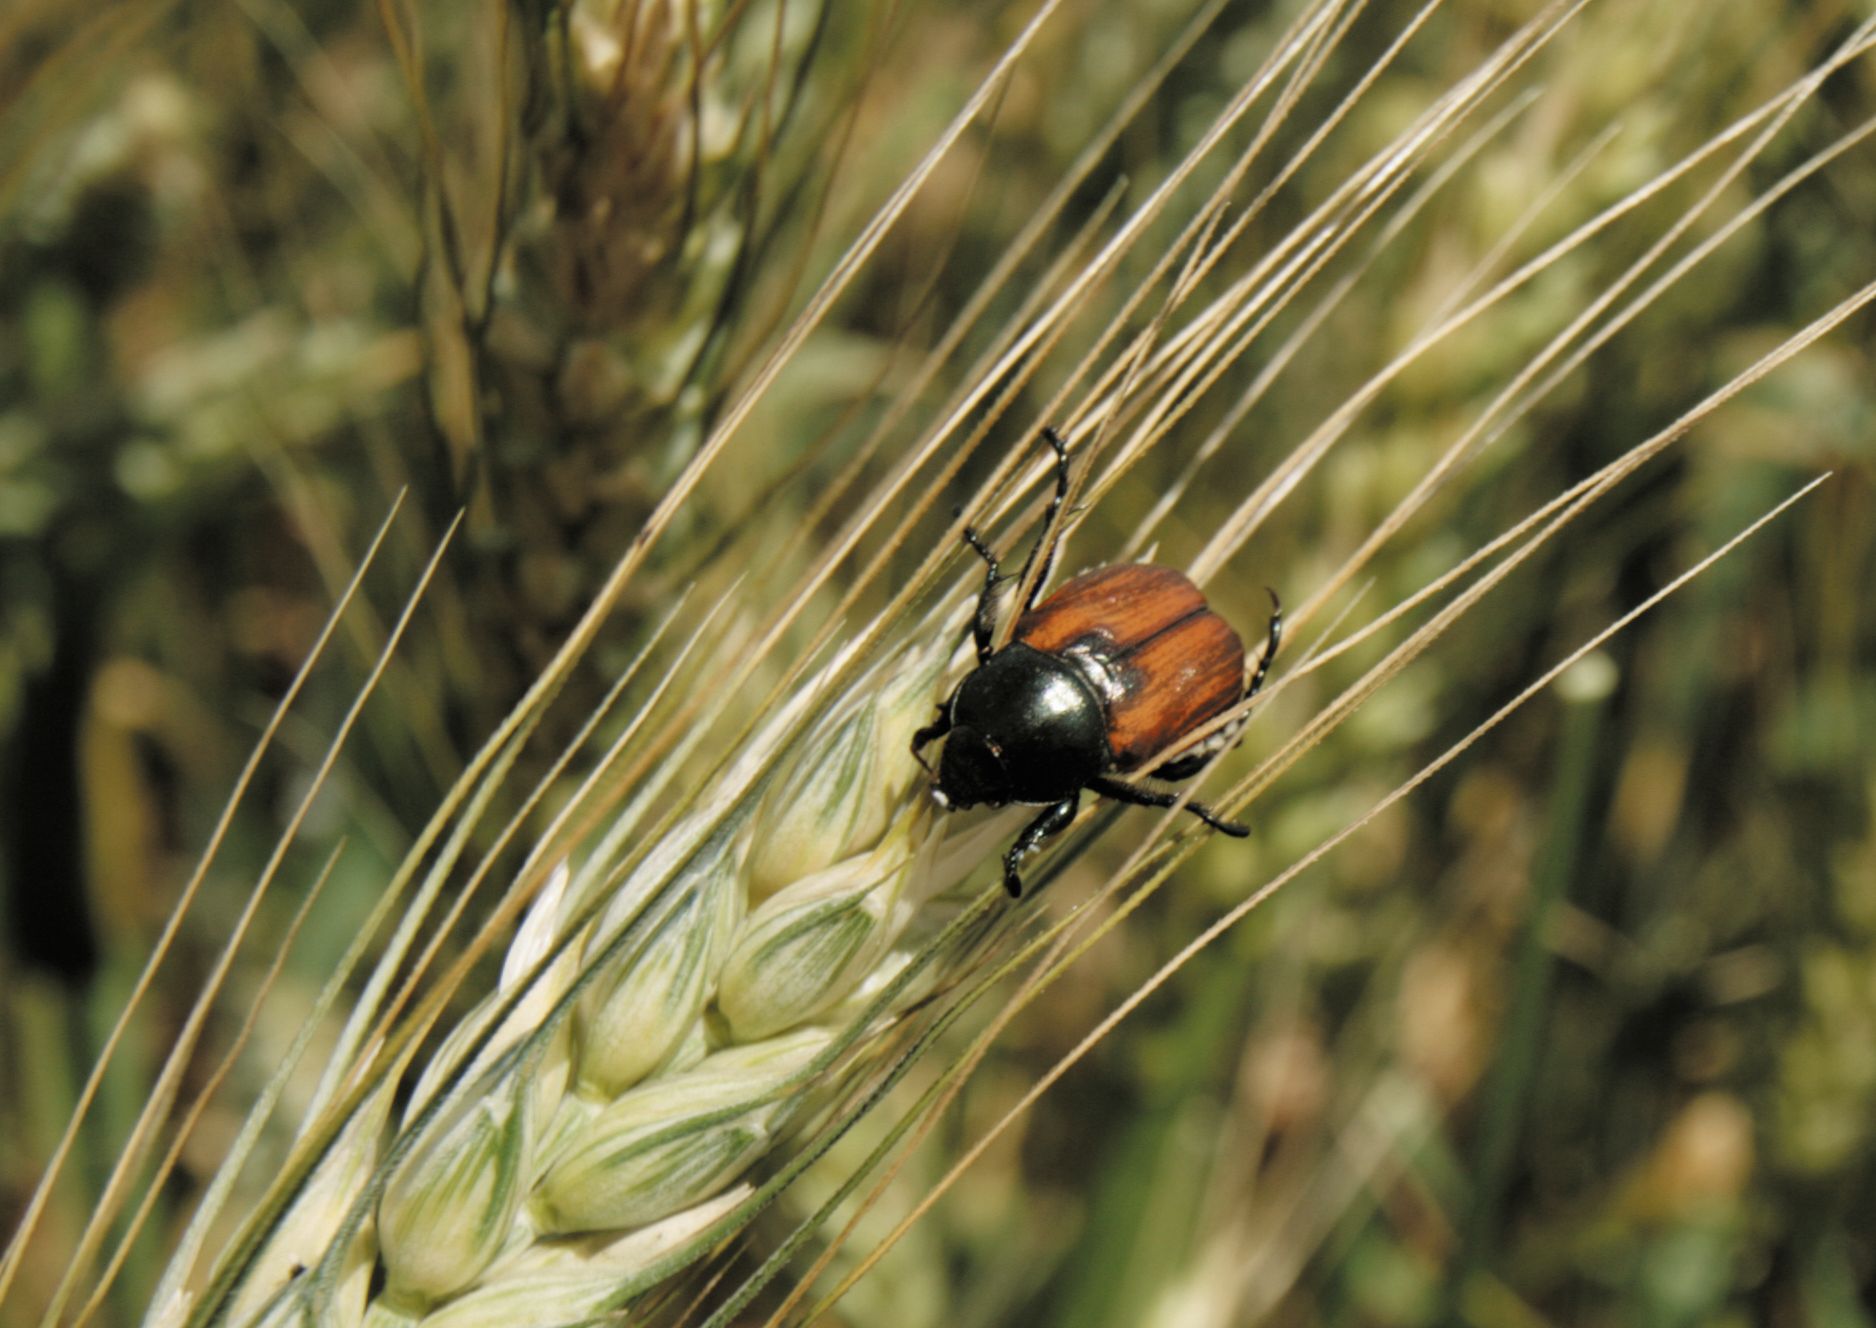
x=480, y=504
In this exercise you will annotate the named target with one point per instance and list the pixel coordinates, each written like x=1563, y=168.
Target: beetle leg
x=1190, y=764
x=930, y=734
x=984, y=625
x=1054, y=819
x=1048, y=540
x=1121, y=791
x=1270, y=645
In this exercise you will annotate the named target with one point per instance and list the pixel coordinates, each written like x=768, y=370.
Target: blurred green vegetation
x=1584, y=1032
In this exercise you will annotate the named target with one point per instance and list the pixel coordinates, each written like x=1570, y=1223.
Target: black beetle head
x=970, y=772
x=1025, y=727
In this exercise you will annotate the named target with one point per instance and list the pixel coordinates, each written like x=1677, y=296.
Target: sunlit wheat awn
x=1097, y=680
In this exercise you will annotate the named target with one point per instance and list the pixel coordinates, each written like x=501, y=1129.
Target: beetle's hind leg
x=1271, y=642
x=1121, y=791
x=1192, y=762
x=1055, y=818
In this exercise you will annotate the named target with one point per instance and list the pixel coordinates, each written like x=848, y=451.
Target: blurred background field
x=1582, y=1032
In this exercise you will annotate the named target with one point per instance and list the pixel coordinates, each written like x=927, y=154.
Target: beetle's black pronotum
x=1096, y=681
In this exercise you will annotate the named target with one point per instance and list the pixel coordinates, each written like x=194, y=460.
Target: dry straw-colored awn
x=705, y=981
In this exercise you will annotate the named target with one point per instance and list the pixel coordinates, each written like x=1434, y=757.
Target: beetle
x=1096, y=680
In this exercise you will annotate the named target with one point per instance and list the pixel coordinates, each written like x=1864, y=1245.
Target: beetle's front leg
x=984, y=623
x=1054, y=819
x=1049, y=538
x=930, y=734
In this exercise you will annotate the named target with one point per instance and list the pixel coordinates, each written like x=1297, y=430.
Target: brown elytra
x=1162, y=662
